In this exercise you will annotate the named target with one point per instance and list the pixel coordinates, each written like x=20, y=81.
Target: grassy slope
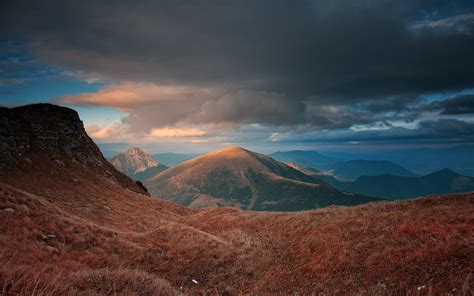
x=235, y=176
x=110, y=240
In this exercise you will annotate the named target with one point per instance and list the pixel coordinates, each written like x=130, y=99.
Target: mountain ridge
x=397, y=187
x=237, y=177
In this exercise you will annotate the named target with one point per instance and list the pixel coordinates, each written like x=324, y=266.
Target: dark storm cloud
x=334, y=50
x=457, y=106
x=430, y=131
x=319, y=64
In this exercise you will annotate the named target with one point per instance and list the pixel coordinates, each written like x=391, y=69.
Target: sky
x=194, y=76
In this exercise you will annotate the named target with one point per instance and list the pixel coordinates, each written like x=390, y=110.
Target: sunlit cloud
x=102, y=132
x=176, y=132
x=134, y=94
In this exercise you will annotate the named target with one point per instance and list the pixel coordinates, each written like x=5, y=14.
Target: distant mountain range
x=172, y=159
x=136, y=164
x=352, y=169
x=241, y=178
x=347, y=170
x=425, y=161
x=421, y=161
x=303, y=158
x=396, y=187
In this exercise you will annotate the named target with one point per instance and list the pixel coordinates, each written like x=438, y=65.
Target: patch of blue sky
x=25, y=79
x=445, y=96
x=98, y=115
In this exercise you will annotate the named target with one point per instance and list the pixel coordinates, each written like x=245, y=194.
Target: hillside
x=305, y=170
x=352, y=169
x=137, y=164
x=303, y=158
x=240, y=178
x=396, y=187
x=85, y=229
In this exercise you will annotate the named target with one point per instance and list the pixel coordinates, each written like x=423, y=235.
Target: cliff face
x=51, y=135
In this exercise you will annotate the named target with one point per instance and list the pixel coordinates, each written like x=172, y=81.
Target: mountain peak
x=230, y=152
x=237, y=177
x=135, y=150
x=231, y=149
x=133, y=161
x=53, y=138
x=445, y=173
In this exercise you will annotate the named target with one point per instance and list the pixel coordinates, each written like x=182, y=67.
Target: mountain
x=396, y=187
x=71, y=224
x=137, y=164
x=241, y=178
x=425, y=161
x=172, y=159
x=352, y=169
x=305, y=170
x=311, y=159
x=422, y=161
x=52, y=138
x=348, y=170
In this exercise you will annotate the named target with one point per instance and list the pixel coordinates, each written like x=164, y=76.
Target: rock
x=53, y=250
x=57, y=135
x=24, y=207
x=107, y=208
x=75, y=180
x=48, y=237
x=9, y=210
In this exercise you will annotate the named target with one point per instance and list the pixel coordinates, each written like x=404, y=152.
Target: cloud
x=176, y=132
x=103, y=132
x=134, y=94
x=308, y=67
x=460, y=22
x=446, y=130
x=337, y=51
x=458, y=105
x=245, y=107
x=85, y=76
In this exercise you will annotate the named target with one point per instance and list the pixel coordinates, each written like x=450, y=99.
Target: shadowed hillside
x=311, y=159
x=396, y=187
x=85, y=229
x=352, y=169
x=240, y=178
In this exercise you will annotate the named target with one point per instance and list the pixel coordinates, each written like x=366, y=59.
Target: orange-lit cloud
x=99, y=132
x=133, y=94
x=176, y=132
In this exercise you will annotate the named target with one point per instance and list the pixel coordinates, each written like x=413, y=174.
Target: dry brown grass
x=111, y=241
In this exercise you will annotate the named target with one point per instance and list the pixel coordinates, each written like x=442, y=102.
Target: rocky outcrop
x=51, y=133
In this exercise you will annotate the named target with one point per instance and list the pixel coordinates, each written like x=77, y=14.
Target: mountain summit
x=237, y=177
x=133, y=161
x=136, y=164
